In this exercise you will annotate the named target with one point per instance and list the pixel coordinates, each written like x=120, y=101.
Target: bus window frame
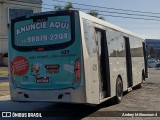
x=45, y=47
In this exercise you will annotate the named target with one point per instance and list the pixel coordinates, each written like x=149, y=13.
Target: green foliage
x=57, y=8
x=93, y=13
x=68, y=6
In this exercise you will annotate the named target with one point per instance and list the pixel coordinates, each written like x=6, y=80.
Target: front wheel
x=119, y=90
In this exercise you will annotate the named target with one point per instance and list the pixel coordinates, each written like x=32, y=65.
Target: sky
x=147, y=26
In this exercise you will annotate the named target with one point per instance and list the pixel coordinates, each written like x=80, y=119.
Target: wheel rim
x=119, y=90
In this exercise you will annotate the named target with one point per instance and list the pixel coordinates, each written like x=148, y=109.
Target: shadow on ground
x=77, y=111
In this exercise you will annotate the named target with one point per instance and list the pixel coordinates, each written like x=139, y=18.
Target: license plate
x=42, y=80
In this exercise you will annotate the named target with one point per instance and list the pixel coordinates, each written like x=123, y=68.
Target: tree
x=95, y=14
x=67, y=6
x=57, y=8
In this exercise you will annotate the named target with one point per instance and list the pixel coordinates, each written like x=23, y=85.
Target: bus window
x=56, y=31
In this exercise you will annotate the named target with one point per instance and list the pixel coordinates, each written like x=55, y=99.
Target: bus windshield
x=42, y=31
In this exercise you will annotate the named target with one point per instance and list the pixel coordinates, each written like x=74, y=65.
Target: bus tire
x=119, y=90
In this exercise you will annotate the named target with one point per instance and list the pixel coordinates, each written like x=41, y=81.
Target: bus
x=72, y=57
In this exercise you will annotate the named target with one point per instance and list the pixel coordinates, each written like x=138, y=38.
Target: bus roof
x=102, y=22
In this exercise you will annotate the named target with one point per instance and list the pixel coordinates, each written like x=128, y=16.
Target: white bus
x=72, y=57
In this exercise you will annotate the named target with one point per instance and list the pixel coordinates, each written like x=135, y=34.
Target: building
x=10, y=9
x=153, y=48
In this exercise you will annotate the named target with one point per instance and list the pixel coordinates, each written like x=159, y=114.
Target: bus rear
x=45, y=56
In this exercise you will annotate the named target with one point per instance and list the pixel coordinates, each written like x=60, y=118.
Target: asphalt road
x=140, y=100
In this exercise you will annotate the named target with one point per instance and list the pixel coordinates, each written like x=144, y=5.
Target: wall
x=153, y=44
x=5, y=5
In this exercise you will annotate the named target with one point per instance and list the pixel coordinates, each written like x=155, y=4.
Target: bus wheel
x=119, y=90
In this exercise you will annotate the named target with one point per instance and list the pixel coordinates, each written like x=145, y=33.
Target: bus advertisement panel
x=44, y=52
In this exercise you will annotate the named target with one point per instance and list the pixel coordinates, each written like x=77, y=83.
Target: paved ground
x=145, y=99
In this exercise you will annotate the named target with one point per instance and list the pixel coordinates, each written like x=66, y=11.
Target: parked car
x=158, y=63
x=152, y=63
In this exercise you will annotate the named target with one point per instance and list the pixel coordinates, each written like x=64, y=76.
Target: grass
x=3, y=72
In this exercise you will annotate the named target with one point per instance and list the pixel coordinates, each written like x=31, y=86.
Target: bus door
x=145, y=59
x=128, y=62
x=103, y=63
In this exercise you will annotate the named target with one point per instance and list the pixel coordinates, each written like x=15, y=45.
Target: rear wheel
x=119, y=90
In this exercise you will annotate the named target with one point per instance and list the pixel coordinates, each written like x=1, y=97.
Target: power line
x=118, y=12
x=130, y=17
x=122, y=13
x=115, y=16
x=88, y=9
x=97, y=10
x=142, y=27
x=125, y=16
x=107, y=7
